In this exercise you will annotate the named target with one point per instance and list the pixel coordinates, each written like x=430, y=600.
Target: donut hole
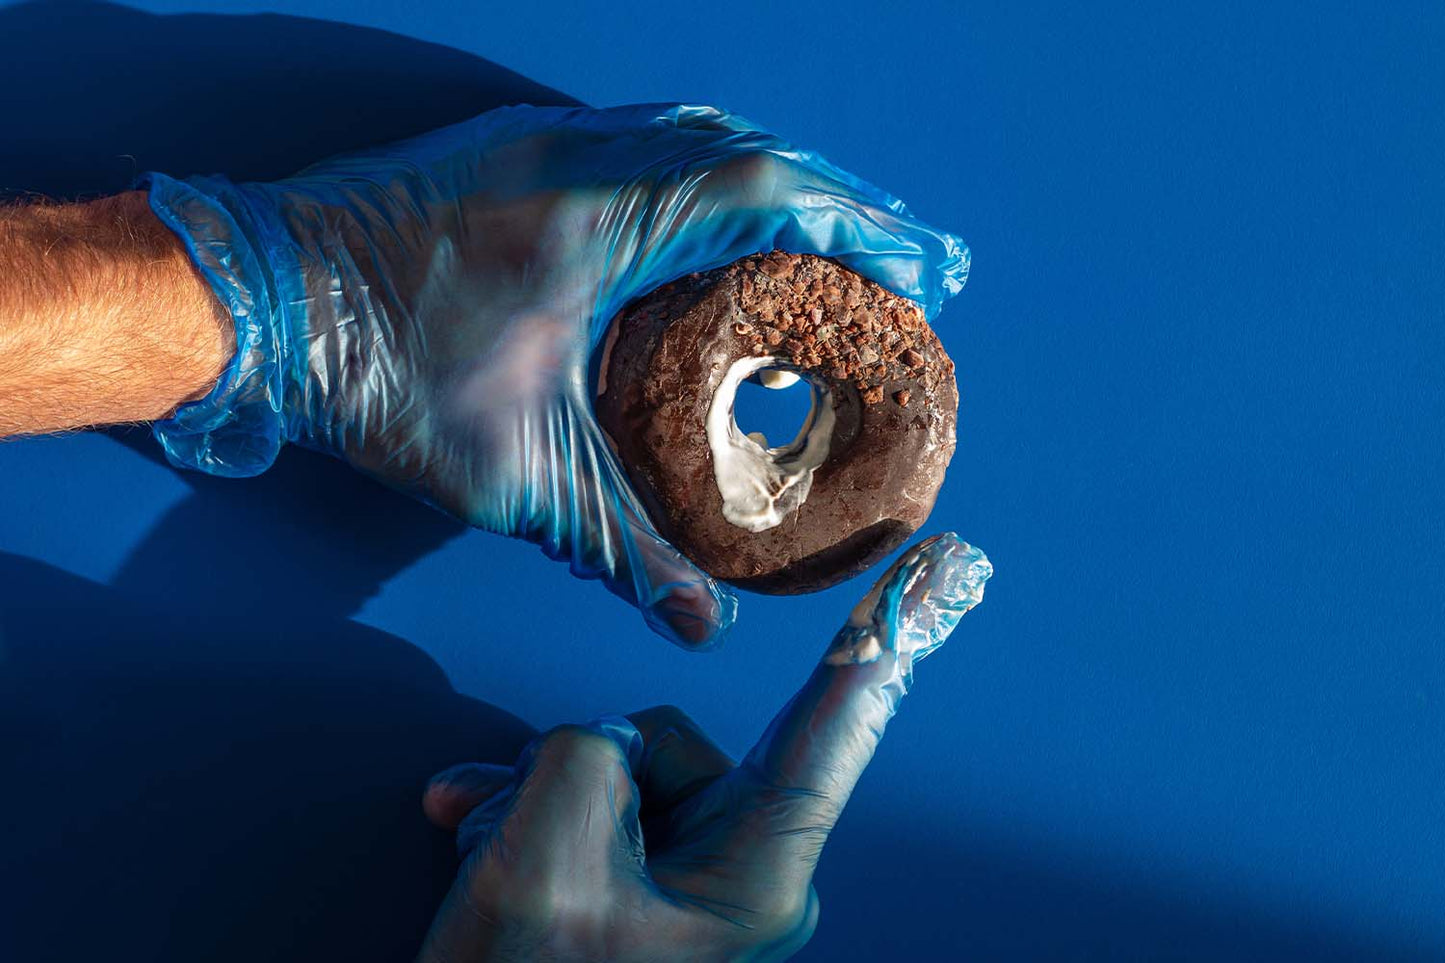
x=774, y=417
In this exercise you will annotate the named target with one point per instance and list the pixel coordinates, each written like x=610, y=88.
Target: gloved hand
x=426, y=310
x=639, y=840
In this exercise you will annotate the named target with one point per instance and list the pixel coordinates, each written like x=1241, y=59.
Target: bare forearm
x=103, y=317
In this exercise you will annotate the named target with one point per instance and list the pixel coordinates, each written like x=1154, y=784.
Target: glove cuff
x=237, y=429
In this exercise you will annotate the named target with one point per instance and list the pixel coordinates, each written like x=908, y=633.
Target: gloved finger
x=453, y=793
x=734, y=195
x=697, y=117
x=678, y=758
x=680, y=148
x=816, y=748
x=797, y=201
x=609, y=527
x=677, y=600
x=570, y=496
x=574, y=809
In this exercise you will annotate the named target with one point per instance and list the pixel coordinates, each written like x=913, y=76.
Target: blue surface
x=1199, y=714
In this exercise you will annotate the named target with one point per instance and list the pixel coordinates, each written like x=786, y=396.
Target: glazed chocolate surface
x=891, y=386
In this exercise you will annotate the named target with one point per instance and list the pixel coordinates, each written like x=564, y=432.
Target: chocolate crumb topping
x=859, y=333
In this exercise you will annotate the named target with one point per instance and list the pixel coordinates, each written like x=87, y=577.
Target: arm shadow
x=208, y=758
x=223, y=785
x=95, y=93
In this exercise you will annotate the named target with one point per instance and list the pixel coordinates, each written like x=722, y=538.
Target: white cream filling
x=761, y=486
x=777, y=378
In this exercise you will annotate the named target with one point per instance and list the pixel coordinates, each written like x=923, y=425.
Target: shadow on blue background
x=181, y=786
x=207, y=758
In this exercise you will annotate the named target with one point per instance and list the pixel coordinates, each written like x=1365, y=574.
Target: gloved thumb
x=570, y=495
x=453, y=793
x=677, y=600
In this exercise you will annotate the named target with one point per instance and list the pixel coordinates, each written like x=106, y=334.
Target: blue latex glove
x=426, y=310
x=638, y=839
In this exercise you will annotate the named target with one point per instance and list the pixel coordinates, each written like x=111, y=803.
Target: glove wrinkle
x=426, y=310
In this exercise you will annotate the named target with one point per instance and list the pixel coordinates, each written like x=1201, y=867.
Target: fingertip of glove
x=695, y=616
x=947, y=276
x=452, y=793
x=956, y=263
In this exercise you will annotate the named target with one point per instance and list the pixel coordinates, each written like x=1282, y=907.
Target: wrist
x=103, y=317
x=236, y=243
x=205, y=332
x=192, y=333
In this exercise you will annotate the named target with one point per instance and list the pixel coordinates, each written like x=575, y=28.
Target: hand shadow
x=93, y=93
x=208, y=759
x=238, y=784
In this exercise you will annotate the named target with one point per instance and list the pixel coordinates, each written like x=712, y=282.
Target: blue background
x=1200, y=714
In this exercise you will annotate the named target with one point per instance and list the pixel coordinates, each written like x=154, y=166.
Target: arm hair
x=103, y=317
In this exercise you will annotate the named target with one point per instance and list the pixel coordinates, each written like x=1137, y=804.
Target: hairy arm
x=103, y=317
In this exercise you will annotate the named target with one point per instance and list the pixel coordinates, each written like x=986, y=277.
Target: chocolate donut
x=862, y=474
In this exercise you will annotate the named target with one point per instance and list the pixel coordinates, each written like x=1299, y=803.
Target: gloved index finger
x=818, y=746
x=701, y=188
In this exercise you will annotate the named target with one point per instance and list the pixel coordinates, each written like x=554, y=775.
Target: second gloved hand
x=427, y=310
x=638, y=839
